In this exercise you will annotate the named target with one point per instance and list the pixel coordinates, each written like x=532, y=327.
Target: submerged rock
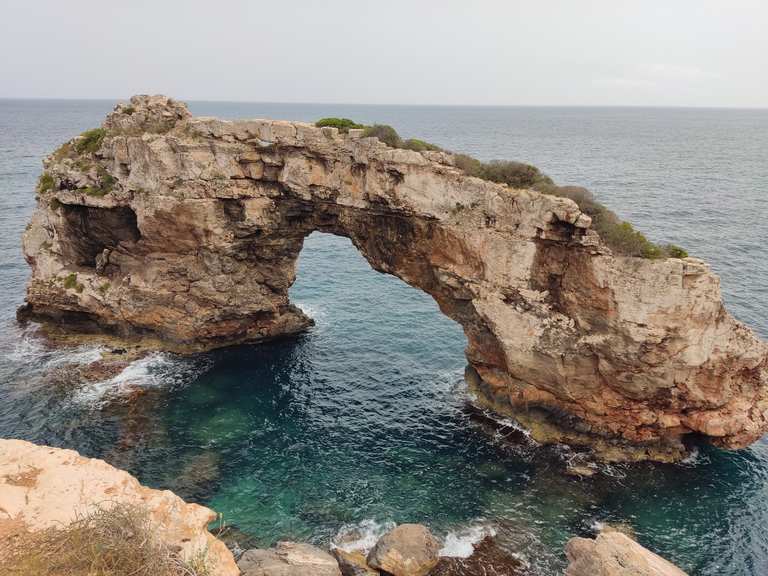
x=487, y=559
x=288, y=559
x=613, y=553
x=406, y=550
x=43, y=487
x=184, y=233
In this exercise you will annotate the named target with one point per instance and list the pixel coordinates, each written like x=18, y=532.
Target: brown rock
x=43, y=487
x=204, y=219
x=288, y=559
x=487, y=559
x=353, y=563
x=615, y=554
x=407, y=550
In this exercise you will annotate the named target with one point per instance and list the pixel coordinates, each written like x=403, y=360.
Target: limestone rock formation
x=615, y=554
x=288, y=559
x=353, y=563
x=187, y=230
x=43, y=487
x=406, y=550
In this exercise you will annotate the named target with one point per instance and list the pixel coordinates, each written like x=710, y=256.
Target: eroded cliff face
x=188, y=229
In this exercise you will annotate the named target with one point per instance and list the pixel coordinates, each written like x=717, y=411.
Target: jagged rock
x=204, y=220
x=613, y=553
x=353, y=563
x=487, y=559
x=43, y=487
x=406, y=550
x=288, y=559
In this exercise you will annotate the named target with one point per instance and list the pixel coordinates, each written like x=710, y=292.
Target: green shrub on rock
x=90, y=141
x=467, y=164
x=46, y=183
x=420, y=145
x=675, y=251
x=343, y=124
x=385, y=133
x=70, y=281
x=619, y=236
x=513, y=174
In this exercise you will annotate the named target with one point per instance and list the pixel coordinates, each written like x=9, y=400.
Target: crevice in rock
x=88, y=231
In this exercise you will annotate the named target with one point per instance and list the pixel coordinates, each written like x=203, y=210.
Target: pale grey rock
x=288, y=559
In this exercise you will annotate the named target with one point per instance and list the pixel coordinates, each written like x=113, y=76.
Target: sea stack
x=187, y=231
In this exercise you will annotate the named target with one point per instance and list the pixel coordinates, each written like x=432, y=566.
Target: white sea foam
x=694, y=458
x=30, y=350
x=315, y=312
x=153, y=371
x=507, y=425
x=361, y=536
x=461, y=543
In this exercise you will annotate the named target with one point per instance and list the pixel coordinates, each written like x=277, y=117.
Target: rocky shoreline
x=43, y=487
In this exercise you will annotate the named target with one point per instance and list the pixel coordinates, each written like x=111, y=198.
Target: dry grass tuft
x=118, y=540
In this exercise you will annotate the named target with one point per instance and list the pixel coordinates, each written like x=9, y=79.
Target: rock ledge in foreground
x=43, y=487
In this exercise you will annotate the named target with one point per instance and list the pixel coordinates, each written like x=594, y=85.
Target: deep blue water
x=362, y=418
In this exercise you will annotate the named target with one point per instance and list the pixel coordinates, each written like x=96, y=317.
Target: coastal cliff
x=186, y=231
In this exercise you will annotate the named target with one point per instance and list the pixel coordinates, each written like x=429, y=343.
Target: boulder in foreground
x=407, y=550
x=615, y=554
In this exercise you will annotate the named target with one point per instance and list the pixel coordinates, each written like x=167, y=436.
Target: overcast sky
x=538, y=52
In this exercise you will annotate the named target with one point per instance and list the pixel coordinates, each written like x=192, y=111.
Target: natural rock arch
x=188, y=229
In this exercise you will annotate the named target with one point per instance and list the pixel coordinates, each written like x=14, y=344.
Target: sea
x=362, y=422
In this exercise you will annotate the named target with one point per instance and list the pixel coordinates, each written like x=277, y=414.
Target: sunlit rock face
x=43, y=487
x=187, y=230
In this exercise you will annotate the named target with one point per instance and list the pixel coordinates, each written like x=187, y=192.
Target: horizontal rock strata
x=188, y=230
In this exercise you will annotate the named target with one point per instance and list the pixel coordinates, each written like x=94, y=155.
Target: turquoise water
x=363, y=419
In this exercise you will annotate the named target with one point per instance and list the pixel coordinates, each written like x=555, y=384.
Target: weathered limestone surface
x=196, y=241
x=43, y=487
x=615, y=554
x=288, y=559
x=406, y=550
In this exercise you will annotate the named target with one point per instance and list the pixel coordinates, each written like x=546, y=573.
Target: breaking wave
x=157, y=370
x=361, y=536
x=461, y=543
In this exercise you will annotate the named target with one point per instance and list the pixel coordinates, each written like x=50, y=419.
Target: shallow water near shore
x=362, y=420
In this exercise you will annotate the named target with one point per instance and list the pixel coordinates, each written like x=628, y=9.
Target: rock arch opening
x=377, y=315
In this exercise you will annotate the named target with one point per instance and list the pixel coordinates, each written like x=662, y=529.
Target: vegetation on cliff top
x=79, y=151
x=116, y=541
x=617, y=234
x=343, y=124
x=45, y=183
x=90, y=140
